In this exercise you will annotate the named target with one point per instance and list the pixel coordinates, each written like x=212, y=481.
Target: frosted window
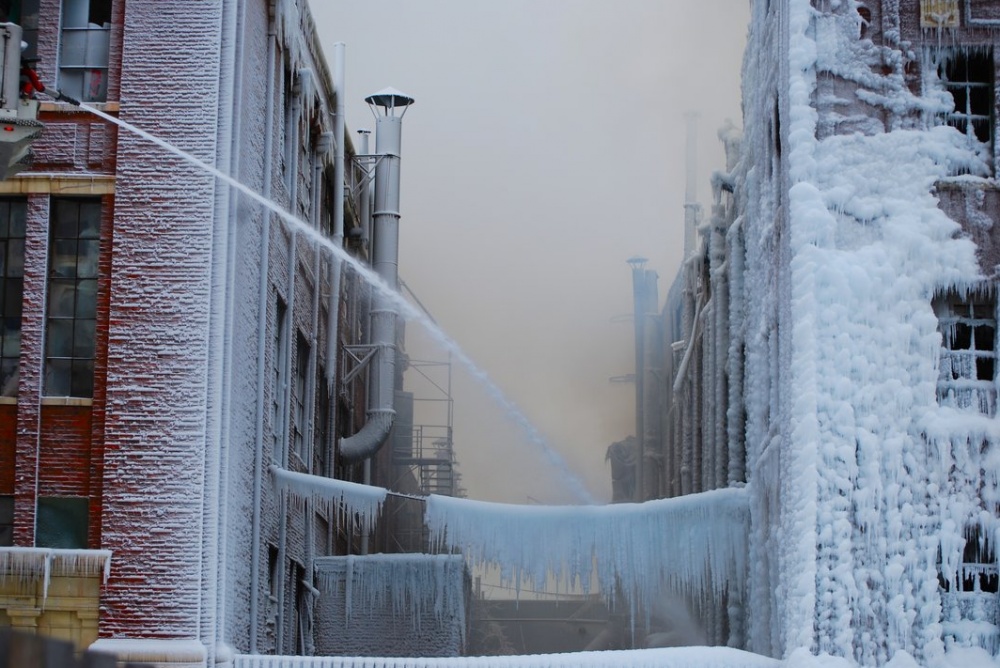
x=62, y=522
x=12, y=217
x=967, y=366
x=84, y=49
x=71, y=318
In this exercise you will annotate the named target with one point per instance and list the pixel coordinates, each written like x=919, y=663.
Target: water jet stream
x=409, y=311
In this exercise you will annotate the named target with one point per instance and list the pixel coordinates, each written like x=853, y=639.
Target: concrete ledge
x=58, y=184
x=154, y=652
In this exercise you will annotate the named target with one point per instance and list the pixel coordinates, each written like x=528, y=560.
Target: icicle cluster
x=676, y=657
x=691, y=544
x=25, y=566
x=360, y=502
x=408, y=585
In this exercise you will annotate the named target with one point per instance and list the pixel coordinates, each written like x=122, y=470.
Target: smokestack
x=692, y=210
x=389, y=106
x=639, y=300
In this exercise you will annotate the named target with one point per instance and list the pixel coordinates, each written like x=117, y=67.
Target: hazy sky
x=545, y=148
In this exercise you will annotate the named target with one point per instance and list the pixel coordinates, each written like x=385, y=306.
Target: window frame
x=67, y=289
x=11, y=297
x=970, y=319
x=85, y=49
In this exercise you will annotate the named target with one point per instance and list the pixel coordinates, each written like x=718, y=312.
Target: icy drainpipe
x=262, y=308
x=213, y=629
x=333, y=309
x=385, y=260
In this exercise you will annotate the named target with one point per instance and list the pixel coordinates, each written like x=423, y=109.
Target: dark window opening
x=866, y=20
x=278, y=355
x=61, y=522
x=321, y=450
x=968, y=76
x=967, y=363
x=6, y=521
x=302, y=352
x=72, y=298
x=12, y=223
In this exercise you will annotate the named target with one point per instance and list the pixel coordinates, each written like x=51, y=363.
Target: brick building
x=830, y=342
x=166, y=340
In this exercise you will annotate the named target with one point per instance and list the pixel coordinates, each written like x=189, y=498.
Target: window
x=278, y=355
x=12, y=217
x=967, y=365
x=301, y=376
x=72, y=297
x=61, y=522
x=6, y=521
x=25, y=14
x=321, y=453
x=84, y=48
x=968, y=76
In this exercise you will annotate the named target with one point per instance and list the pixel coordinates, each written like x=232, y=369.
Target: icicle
x=365, y=501
x=691, y=544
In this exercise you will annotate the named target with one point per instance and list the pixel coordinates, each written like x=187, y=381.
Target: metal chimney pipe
x=385, y=262
x=364, y=197
x=638, y=265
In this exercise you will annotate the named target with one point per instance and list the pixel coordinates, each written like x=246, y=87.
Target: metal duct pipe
x=385, y=262
x=364, y=197
x=338, y=143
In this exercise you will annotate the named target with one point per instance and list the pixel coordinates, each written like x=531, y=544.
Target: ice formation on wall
x=877, y=482
x=362, y=502
x=25, y=566
x=407, y=585
x=693, y=544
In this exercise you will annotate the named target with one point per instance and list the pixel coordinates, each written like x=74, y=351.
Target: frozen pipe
x=338, y=143
x=385, y=262
x=364, y=196
x=690, y=186
x=217, y=423
x=222, y=561
x=262, y=303
x=336, y=270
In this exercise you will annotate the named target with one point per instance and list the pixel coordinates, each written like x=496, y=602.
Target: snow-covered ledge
x=29, y=565
x=154, y=652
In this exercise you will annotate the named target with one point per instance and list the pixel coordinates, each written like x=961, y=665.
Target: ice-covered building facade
x=170, y=347
x=831, y=342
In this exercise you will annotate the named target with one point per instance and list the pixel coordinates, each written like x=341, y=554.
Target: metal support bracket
x=357, y=358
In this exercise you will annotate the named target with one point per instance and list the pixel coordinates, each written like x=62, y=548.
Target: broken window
x=967, y=366
x=72, y=297
x=13, y=213
x=968, y=76
x=84, y=49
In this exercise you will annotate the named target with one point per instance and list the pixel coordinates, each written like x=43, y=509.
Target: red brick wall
x=64, y=452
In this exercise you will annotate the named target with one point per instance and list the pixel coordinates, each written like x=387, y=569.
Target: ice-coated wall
x=411, y=605
x=857, y=209
x=155, y=441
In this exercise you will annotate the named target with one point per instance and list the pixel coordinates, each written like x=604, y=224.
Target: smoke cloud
x=545, y=148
